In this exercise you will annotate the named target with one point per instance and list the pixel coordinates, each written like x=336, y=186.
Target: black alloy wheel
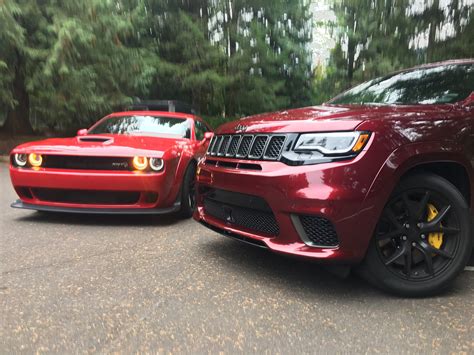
x=423, y=238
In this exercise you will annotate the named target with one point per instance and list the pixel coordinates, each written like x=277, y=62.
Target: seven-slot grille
x=247, y=146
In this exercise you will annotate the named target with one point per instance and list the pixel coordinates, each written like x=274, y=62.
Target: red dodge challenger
x=128, y=162
x=381, y=176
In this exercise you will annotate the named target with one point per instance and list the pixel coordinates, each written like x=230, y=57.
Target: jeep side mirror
x=208, y=135
x=82, y=132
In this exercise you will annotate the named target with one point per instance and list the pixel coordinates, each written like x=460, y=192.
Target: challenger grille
x=248, y=146
x=87, y=163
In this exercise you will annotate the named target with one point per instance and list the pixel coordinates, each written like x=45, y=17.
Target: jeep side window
x=436, y=85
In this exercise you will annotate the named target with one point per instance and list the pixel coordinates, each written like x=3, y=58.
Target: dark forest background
x=64, y=64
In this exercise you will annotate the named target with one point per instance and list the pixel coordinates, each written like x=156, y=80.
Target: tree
x=12, y=70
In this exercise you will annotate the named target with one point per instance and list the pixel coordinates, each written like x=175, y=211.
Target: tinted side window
x=436, y=85
x=200, y=130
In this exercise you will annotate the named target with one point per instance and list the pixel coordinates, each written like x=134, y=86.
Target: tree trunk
x=18, y=122
x=350, y=60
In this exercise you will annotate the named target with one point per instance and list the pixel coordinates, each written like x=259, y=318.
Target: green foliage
x=81, y=59
x=379, y=36
x=63, y=64
x=11, y=41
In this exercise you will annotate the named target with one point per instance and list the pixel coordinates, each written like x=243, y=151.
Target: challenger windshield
x=438, y=85
x=144, y=125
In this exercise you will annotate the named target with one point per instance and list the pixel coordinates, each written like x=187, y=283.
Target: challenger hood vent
x=94, y=139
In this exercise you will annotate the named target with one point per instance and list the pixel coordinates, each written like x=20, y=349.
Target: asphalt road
x=73, y=284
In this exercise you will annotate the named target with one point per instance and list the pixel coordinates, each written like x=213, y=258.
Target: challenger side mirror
x=82, y=132
x=208, y=135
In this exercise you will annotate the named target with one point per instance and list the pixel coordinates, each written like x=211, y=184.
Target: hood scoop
x=94, y=139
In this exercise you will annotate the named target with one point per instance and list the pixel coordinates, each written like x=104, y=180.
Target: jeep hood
x=309, y=119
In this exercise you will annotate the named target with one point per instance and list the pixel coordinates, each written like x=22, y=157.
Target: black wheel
x=188, y=192
x=423, y=239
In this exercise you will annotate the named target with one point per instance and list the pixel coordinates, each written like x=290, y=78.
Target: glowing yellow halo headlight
x=140, y=163
x=35, y=160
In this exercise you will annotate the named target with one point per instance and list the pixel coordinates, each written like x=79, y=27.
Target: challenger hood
x=106, y=145
x=308, y=119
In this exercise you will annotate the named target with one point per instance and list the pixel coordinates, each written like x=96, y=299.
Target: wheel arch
x=435, y=157
x=453, y=171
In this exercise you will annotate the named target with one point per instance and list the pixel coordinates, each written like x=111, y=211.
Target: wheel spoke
x=440, y=216
x=435, y=225
x=422, y=206
x=408, y=205
x=428, y=248
x=389, y=235
x=440, y=229
x=392, y=219
x=449, y=230
x=397, y=254
x=428, y=260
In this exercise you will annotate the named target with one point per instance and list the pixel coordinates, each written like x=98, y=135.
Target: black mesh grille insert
x=319, y=231
x=212, y=144
x=216, y=145
x=87, y=163
x=233, y=145
x=244, y=146
x=274, y=147
x=224, y=145
x=241, y=210
x=258, y=146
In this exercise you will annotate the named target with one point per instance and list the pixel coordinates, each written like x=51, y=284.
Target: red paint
x=176, y=153
x=351, y=193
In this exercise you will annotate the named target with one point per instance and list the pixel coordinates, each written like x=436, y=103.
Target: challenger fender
x=183, y=159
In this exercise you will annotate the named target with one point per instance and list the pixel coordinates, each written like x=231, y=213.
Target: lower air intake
x=319, y=231
x=233, y=208
x=87, y=197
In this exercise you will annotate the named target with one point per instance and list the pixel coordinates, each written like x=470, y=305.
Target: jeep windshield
x=144, y=125
x=437, y=85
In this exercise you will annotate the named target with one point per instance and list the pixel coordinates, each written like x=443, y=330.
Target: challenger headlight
x=332, y=143
x=20, y=160
x=156, y=164
x=35, y=160
x=140, y=163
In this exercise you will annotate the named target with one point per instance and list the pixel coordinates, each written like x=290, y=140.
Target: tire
x=188, y=192
x=423, y=239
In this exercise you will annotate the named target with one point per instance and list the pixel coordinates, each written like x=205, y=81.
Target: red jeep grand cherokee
x=382, y=176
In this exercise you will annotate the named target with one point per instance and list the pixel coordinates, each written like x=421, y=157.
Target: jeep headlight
x=332, y=143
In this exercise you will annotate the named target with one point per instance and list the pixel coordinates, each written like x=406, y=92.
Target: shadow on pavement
x=295, y=275
x=307, y=277
x=101, y=220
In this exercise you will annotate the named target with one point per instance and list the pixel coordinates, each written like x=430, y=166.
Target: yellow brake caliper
x=435, y=239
